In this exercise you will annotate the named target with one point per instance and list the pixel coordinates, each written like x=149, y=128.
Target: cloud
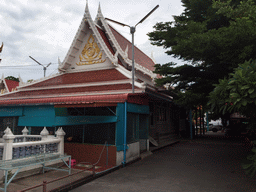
x=45, y=29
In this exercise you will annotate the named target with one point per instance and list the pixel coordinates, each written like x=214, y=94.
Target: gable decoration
x=91, y=53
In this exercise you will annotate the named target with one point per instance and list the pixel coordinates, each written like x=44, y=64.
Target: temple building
x=7, y=86
x=91, y=99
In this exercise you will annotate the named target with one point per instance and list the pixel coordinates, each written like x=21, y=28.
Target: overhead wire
x=31, y=69
x=10, y=66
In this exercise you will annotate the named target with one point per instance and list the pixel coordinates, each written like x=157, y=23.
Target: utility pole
x=44, y=68
x=132, y=31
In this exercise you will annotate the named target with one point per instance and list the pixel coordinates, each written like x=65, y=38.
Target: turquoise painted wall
x=38, y=116
x=47, y=115
x=61, y=111
x=134, y=108
x=11, y=111
x=80, y=120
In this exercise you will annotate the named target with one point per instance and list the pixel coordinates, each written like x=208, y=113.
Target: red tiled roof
x=59, y=100
x=115, y=98
x=11, y=84
x=104, y=37
x=71, y=90
x=139, y=57
x=82, y=77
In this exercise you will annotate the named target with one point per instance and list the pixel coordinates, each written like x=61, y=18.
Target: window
x=161, y=114
x=137, y=127
x=91, y=133
x=132, y=127
x=151, y=109
x=11, y=122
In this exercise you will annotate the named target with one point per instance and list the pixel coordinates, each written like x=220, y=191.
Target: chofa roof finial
x=86, y=7
x=1, y=48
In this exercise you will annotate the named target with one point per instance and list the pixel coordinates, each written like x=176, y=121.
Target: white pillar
x=44, y=133
x=60, y=135
x=25, y=132
x=8, y=141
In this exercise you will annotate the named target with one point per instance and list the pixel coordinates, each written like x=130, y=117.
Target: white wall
x=132, y=153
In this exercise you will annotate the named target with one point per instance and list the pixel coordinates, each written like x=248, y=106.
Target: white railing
x=22, y=146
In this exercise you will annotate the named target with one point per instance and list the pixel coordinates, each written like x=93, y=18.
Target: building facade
x=91, y=99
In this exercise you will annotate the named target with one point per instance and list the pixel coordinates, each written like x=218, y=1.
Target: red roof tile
x=71, y=90
x=59, y=100
x=139, y=57
x=11, y=84
x=104, y=37
x=115, y=98
x=82, y=77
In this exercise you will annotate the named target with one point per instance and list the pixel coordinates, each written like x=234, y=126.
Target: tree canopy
x=12, y=78
x=238, y=92
x=212, y=37
x=217, y=39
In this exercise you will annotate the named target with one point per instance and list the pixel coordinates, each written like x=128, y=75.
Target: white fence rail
x=21, y=146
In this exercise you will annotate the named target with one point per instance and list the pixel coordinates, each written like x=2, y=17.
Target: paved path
x=202, y=165
x=21, y=184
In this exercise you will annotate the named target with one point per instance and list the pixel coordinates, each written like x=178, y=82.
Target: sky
x=45, y=29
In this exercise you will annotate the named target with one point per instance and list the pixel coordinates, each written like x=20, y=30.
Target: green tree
x=12, y=78
x=210, y=40
x=238, y=94
x=30, y=80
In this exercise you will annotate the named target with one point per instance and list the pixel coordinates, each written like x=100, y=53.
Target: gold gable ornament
x=3, y=91
x=91, y=53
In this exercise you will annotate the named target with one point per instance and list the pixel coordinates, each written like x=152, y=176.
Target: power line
x=29, y=69
x=23, y=65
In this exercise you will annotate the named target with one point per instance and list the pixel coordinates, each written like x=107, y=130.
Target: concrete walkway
x=24, y=183
x=209, y=164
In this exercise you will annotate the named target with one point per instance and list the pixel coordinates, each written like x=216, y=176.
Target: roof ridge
x=130, y=42
x=88, y=31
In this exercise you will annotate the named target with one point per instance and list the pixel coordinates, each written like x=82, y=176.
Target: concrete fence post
x=44, y=133
x=25, y=132
x=60, y=135
x=8, y=142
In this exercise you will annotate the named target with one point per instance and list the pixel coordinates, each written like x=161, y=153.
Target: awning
x=86, y=100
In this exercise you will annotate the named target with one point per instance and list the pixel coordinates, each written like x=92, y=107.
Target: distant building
x=7, y=86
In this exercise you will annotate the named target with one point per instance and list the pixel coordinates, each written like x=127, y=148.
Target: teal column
x=120, y=126
x=125, y=132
